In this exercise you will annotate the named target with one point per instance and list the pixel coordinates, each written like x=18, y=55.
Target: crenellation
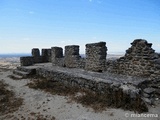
x=57, y=56
x=36, y=55
x=46, y=55
x=72, y=57
x=96, y=56
x=132, y=78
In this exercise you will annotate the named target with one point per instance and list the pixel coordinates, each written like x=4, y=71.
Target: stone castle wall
x=26, y=61
x=36, y=55
x=96, y=56
x=140, y=60
x=120, y=95
x=46, y=55
x=57, y=56
x=72, y=56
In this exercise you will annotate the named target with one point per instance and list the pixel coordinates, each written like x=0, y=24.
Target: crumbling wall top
x=100, y=44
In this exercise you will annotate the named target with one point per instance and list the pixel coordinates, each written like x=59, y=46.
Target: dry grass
x=97, y=101
x=8, y=102
x=86, y=97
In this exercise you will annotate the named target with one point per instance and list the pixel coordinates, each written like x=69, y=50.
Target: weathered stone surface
x=46, y=55
x=149, y=90
x=57, y=56
x=140, y=60
x=35, y=52
x=96, y=56
x=146, y=95
x=26, y=61
x=126, y=80
x=72, y=56
x=120, y=95
x=148, y=101
x=36, y=56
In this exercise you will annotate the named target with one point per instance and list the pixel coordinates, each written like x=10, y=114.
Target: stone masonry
x=57, y=56
x=36, y=55
x=72, y=56
x=120, y=94
x=133, y=79
x=46, y=55
x=140, y=60
x=26, y=61
x=96, y=56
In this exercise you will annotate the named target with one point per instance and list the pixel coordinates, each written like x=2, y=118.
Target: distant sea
x=14, y=55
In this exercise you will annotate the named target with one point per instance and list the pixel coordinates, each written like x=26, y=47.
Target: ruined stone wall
x=57, y=56
x=140, y=60
x=72, y=57
x=96, y=56
x=46, y=55
x=119, y=95
x=26, y=61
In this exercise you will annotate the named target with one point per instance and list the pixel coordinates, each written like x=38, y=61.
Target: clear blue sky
x=25, y=24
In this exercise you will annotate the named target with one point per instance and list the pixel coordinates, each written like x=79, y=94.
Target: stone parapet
x=36, y=56
x=57, y=56
x=26, y=61
x=46, y=55
x=96, y=56
x=120, y=94
x=72, y=56
x=140, y=60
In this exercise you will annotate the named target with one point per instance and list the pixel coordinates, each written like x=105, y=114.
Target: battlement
x=96, y=56
x=140, y=59
x=132, y=80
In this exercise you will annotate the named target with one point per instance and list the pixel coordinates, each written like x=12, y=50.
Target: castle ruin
x=140, y=59
x=135, y=75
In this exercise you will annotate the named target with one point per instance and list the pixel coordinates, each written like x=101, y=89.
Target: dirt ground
x=37, y=104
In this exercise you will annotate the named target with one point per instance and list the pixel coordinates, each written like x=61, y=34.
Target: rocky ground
x=37, y=104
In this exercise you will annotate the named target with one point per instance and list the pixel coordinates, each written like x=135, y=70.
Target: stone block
x=96, y=56
x=46, y=55
x=149, y=90
x=36, y=55
x=56, y=55
x=35, y=52
x=26, y=61
x=72, y=57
